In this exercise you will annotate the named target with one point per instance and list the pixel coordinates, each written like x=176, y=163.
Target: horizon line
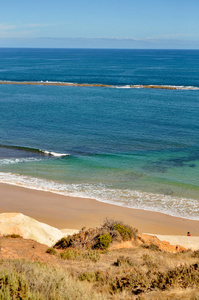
x=96, y=48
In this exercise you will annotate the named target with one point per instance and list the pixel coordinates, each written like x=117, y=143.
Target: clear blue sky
x=100, y=24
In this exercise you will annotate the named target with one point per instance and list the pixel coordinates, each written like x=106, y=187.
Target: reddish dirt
x=19, y=248
x=149, y=239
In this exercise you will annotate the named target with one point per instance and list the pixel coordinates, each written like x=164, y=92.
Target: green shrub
x=14, y=236
x=92, y=276
x=103, y=241
x=82, y=240
x=13, y=285
x=125, y=232
x=110, y=231
x=51, y=251
x=63, y=243
x=70, y=254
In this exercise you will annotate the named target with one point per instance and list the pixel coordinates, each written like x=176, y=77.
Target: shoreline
x=72, y=212
x=176, y=206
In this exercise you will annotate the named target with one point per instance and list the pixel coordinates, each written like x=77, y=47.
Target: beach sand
x=189, y=242
x=69, y=212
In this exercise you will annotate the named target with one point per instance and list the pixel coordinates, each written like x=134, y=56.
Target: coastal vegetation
x=99, y=238
x=38, y=281
x=89, y=265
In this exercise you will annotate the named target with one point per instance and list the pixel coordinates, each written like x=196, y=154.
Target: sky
x=133, y=24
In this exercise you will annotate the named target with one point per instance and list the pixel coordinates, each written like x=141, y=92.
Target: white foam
x=10, y=161
x=50, y=153
x=123, y=87
x=180, y=87
x=174, y=206
x=156, y=86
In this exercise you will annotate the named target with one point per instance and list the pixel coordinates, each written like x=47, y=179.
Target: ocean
x=124, y=130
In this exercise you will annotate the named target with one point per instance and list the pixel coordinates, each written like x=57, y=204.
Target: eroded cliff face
x=29, y=228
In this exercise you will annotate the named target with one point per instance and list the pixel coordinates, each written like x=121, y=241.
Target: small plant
x=90, y=277
x=92, y=255
x=14, y=236
x=136, y=281
x=13, y=285
x=51, y=251
x=70, y=254
x=103, y=241
x=123, y=260
x=63, y=243
x=74, y=254
x=195, y=254
x=146, y=257
x=151, y=246
x=124, y=231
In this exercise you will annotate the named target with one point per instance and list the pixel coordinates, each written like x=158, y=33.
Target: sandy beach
x=69, y=212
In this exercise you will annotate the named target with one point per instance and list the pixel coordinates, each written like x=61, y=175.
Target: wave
x=35, y=150
x=174, y=206
x=135, y=86
x=50, y=153
x=11, y=161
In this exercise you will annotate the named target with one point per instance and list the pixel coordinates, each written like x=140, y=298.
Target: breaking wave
x=35, y=150
x=50, y=153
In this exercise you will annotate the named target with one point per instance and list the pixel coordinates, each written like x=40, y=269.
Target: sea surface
x=133, y=147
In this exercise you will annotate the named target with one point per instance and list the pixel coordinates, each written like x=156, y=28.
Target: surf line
x=165, y=87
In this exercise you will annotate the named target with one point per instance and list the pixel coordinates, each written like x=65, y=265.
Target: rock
x=29, y=228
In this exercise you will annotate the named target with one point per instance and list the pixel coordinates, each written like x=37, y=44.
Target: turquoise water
x=131, y=147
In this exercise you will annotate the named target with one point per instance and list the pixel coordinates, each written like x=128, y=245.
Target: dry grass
x=129, y=273
x=28, y=280
x=75, y=254
x=137, y=273
x=174, y=294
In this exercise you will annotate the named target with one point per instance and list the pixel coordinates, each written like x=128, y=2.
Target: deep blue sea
x=134, y=147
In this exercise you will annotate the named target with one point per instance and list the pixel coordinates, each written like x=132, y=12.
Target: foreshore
x=70, y=212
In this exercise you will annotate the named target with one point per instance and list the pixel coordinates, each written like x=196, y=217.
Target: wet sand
x=69, y=212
